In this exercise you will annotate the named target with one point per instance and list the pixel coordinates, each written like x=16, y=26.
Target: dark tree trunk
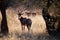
x=4, y=27
x=48, y=19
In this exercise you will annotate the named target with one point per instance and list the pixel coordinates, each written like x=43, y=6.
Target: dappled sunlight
x=29, y=20
x=38, y=28
x=38, y=23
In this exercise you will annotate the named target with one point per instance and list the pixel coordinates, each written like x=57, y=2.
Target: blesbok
x=24, y=21
x=28, y=13
x=34, y=14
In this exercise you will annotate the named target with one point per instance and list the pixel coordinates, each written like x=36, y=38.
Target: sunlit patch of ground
x=38, y=23
x=38, y=29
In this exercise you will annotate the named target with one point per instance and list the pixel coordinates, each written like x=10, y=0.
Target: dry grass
x=38, y=23
x=27, y=36
x=38, y=28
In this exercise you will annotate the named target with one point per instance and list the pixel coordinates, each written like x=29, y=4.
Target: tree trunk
x=48, y=19
x=4, y=27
